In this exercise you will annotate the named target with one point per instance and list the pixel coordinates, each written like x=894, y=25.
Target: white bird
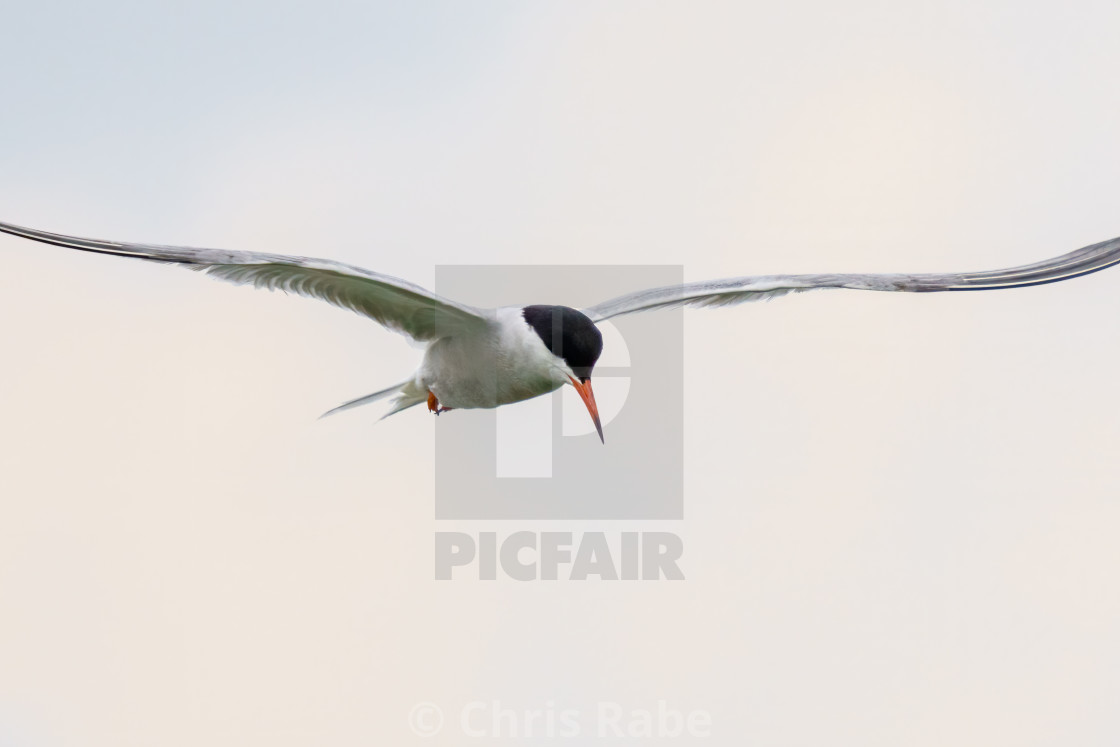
x=485, y=358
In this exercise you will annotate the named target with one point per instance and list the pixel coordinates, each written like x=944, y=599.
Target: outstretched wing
x=392, y=302
x=737, y=290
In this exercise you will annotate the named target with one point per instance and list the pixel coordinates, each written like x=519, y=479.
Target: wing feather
x=394, y=303
x=732, y=291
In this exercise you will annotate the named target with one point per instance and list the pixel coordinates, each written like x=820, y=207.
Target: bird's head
x=575, y=343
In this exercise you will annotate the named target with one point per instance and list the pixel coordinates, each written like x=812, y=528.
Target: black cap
x=569, y=334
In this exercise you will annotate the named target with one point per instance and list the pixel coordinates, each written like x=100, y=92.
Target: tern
x=486, y=358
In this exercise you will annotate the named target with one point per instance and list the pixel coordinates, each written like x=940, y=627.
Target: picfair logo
x=541, y=459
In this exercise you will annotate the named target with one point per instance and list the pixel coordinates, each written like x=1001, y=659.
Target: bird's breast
x=505, y=364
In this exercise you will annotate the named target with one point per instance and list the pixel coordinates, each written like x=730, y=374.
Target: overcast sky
x=901, y=510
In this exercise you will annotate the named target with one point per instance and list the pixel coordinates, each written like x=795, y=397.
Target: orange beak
x=588, y=398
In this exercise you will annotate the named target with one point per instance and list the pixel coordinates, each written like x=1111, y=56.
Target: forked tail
x=406, y=398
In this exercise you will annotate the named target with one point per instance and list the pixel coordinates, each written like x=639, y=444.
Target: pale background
x=902, y=510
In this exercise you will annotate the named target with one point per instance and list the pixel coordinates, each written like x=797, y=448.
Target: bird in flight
x=485, y=358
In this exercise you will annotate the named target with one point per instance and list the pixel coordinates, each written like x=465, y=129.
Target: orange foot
x=433, y=404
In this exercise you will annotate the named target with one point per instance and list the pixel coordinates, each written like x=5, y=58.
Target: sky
x=900, y=510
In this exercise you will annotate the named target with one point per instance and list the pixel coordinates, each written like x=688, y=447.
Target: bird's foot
x=433, y=404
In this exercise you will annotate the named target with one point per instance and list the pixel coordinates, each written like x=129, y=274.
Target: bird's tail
x=406, y=398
